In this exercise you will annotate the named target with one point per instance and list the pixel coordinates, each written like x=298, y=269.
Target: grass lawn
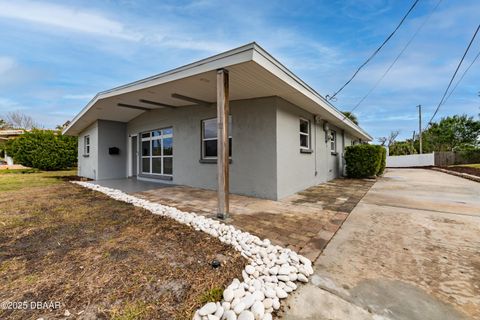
x=474, y=165
x=473, y=169
x=100, y=258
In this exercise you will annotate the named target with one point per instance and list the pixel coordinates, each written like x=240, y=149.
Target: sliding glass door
x=157, y=152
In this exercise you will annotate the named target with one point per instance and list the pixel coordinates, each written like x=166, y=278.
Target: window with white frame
x=333, y=141
x=157, y=152
x=210, y=139
x=86, y=145
x=304, y=134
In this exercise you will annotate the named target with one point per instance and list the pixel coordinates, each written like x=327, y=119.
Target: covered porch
x=304, y=222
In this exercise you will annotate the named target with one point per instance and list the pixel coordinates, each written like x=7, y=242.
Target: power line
x=461, y=78
x=376, y=51
x=454, y=74
x=397, y=57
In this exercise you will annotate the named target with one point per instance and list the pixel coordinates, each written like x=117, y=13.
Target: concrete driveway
x=409, y=250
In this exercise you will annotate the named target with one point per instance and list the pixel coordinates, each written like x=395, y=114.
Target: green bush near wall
x=383, y=160
x=364, y=160
x=44, y=150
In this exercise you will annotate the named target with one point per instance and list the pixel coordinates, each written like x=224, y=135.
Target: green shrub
x=212, y=295
x=383, y=160
x=364, y=160
x=44, y=150
x=401, y=148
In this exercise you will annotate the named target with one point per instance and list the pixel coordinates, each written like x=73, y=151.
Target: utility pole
x=420, y=126
x=413, y=139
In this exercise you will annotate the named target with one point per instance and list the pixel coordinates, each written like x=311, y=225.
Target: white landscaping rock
x=209, y=308
x=240, y=307
x=269, y=276
x=281, y=294
x=230, y=315
x=228, y=295
x=302, y=278
x=258, y=310
x=219, y=312
x=267, y=303
x=246, y=315
x=267, y=316
x=249, y=269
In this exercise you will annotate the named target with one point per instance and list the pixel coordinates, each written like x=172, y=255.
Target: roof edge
x=102, y=94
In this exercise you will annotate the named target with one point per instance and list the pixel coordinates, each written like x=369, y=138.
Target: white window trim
x=86, y=146
x=333, y=138
x=151, y=156
x=204, y=157
x=305, y=134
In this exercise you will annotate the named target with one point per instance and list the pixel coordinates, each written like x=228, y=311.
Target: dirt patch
x=102, y=258
x=468, y=170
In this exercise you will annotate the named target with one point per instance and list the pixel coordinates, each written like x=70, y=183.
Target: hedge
x=383, y=160
x=364, y=160
x=44, y=150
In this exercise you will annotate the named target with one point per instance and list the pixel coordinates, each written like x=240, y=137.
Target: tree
x=453, y=133
x=388, y=141
x=3, y=124
x=19, y=120
x=62, y=126
x=350, y=116
x=400, y=148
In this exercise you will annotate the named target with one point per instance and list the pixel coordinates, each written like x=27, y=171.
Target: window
x=157, y=152
x=86, y=145
x=209, y=138
x=304, y=134
x=333, y=141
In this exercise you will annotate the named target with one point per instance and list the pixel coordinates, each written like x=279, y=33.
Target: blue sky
x=55, y=55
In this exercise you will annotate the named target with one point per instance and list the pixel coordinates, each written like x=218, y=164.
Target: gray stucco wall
x=266, y=157
x=253, y=167
x=297, y=171
x=88, y=165
x=112, y=134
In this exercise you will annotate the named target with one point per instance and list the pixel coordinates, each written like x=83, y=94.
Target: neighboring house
x=283, y=136
x=6, y=135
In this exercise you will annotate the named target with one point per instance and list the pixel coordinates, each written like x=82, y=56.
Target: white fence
x=411, y=160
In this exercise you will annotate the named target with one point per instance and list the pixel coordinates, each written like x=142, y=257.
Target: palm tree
x=350, y=116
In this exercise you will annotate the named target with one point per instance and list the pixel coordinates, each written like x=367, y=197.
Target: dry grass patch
x=473, y=169
x=103, y=258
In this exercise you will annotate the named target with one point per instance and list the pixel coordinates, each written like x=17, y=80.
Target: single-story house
x=282, y=135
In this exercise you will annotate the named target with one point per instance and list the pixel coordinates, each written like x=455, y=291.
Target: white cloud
x=64, y=17
x=6, y=64
x=7, y=105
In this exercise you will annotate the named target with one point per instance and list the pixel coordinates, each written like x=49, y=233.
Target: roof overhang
x=253, y=73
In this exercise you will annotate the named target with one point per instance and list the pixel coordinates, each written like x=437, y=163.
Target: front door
x=134, y=156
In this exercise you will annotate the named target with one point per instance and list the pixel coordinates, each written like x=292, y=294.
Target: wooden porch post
x=222, y=143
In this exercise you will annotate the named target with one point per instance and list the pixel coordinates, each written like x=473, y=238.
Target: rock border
x=269, y=277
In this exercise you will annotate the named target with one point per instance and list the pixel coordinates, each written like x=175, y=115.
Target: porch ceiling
x=252, y=75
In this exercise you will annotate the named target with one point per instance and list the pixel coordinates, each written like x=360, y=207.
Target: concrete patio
x=304, y=222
